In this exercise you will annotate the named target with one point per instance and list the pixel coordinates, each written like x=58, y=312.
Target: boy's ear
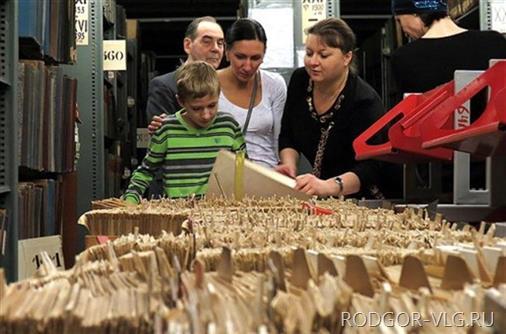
x=179, y=100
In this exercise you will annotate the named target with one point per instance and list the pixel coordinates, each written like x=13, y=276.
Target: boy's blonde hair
x=195, y=80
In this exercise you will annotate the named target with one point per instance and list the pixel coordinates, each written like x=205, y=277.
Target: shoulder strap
x=251, y=104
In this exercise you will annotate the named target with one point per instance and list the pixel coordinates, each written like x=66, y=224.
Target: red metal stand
x=404, y=137
x=486, y=136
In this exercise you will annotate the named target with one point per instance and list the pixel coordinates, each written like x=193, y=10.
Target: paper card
x=143, y=138
x=259, y=181
x=491, y=256
x=82, y=21
x=29, y=259
x=312, y=11
x=115, y=57
x=498, y=15
x=102, y=239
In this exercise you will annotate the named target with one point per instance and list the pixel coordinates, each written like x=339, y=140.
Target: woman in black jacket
x=327, y=107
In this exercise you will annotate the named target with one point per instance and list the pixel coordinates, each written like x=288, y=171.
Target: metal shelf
x=8, y=130
x=4, y=81
x=90, y=97
x=4, y=189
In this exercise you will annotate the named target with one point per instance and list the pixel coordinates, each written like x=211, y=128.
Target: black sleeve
x=367, y=111
x=396, y=66
x=161, y=99
x=286, y=136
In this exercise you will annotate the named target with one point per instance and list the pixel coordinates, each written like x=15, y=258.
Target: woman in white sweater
x=245, y=49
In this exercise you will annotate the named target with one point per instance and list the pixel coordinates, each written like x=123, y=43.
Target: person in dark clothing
x=203, y=40
x=327, y=107
x=440, y=48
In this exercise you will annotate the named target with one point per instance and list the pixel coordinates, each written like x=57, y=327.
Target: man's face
x=199, y=113
x=207, y=45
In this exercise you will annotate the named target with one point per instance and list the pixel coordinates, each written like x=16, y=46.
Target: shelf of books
x=38, y=116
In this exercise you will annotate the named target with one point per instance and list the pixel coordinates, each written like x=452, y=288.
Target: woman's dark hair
x=429, y=18
x=335, y=33
x=245, y=29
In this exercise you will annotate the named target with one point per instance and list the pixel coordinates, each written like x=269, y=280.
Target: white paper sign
x=498, y=10
x=115, y=57
x=312, y=12
x=82, y=22
x=29, y=258
x=143, y=138
x=279, y=23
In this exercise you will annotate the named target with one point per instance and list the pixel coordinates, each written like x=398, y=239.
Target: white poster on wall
x=498, y=15
x=312, y=12
x=115, y=57
x=278, y=24
x=82, y=22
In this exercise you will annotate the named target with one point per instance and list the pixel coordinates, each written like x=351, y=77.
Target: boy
x=187, y=144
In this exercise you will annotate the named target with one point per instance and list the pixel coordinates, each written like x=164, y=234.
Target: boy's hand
x=156, y=123
x=129, y=201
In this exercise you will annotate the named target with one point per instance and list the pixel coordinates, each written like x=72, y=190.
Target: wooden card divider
x=277, y=261
x=225, y=266
x=301, y=273
x=325, y=265
x=312, y=261
x=357, y=276
x=3, y=284
x=456, y=273
x=413, y=275
x=500, y=272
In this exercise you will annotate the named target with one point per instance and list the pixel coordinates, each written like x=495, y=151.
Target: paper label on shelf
x=82, y=22
x=115, y=55
x=29, y=258
x=498, y=15
x=143, y=138
x=312, y=12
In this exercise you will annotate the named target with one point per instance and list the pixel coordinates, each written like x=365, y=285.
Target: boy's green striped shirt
x=186, y=155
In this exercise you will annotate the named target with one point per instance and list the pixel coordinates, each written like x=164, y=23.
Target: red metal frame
x=404, y=137
x=486, y=136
